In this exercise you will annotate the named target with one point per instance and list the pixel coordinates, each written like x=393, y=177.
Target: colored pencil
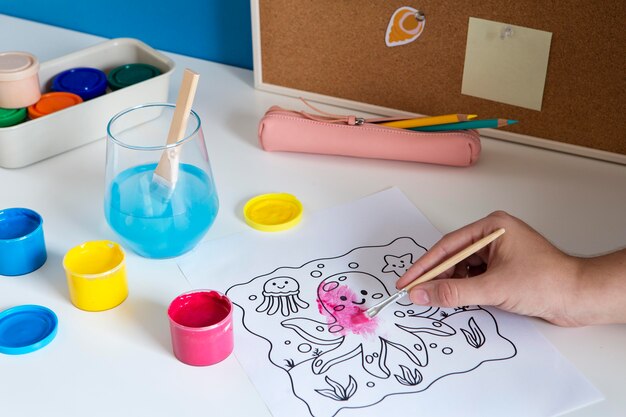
x=429, y=121
x=434, y=272
x=471, y=124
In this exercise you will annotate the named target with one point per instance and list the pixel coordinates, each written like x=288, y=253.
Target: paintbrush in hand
x=434, y=272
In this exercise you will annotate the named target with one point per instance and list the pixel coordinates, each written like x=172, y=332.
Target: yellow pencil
x=429, y=121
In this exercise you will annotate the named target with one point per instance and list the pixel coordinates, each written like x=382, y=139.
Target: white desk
x=119, y=362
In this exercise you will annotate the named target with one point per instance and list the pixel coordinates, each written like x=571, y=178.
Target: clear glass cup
x=153, y=218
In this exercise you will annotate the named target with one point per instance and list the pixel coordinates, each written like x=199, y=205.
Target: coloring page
x=302, y=336
x=335, y=361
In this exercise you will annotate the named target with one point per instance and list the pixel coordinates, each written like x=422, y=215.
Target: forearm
x=601, y=295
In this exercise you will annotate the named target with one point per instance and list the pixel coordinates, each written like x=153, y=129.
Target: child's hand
x=523, y=273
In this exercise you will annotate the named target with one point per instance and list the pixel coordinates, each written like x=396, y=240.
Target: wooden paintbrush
x=166, y=173
x=448, y=263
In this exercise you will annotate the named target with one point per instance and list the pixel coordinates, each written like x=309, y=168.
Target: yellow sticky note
x=506, y=63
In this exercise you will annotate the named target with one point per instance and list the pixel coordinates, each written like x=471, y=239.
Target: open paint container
x=22, y=246
x=201, y=325
x=96, y=275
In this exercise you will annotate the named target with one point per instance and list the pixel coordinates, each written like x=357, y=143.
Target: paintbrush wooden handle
x=168, y=164
x=183, y=106
x=455, y=259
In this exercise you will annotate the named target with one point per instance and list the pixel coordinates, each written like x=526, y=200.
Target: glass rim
x=156, y=147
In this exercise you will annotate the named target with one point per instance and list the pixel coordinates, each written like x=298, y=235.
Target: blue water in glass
x=154, y=225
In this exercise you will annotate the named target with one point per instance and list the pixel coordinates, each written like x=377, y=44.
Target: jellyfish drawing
x=281, y=294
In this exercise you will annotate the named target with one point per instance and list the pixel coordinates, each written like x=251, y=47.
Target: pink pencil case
x=298, y=131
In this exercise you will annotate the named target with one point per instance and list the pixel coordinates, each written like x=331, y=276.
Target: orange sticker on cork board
x=406, y=25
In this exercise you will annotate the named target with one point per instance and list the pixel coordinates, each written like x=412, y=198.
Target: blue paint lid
x=85, y=82
x=26, y=328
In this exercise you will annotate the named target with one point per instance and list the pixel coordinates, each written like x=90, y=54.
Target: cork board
x=335, y=51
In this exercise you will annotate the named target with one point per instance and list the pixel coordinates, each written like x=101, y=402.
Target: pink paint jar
x=201, y=326
x=19, y=80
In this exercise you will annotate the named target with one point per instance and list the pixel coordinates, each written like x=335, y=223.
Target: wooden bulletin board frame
x=293, y=32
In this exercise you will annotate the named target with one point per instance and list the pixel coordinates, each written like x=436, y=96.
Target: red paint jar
x=201, y=327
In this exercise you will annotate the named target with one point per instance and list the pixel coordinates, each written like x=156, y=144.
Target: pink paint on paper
x=344, y=309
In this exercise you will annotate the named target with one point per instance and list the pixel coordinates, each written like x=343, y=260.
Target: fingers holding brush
x=449, y=245
x=522, y=272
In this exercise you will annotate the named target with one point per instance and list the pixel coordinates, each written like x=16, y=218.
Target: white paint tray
x=34, y=140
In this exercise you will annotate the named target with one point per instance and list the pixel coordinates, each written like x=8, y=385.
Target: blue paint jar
x=86, y=82
x=22, y=246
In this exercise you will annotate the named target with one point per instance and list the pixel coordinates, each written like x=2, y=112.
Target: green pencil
x=470, y=124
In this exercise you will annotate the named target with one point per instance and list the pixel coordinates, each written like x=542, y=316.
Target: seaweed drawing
x=409, y=377
x=338, y=392
x=475, y=338
x=314, y=338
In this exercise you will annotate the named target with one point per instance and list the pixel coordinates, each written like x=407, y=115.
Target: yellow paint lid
x=273, y=212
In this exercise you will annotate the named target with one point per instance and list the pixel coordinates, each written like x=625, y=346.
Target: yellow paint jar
x=96, y=275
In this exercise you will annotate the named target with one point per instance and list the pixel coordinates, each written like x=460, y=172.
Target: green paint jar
x=129, y=74
x=12, y=117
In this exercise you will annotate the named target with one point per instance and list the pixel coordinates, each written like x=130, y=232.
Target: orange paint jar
x=52, y=102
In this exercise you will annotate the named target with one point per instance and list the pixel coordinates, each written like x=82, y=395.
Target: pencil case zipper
x=346, y=120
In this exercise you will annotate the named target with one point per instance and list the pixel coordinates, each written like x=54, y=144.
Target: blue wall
x=216, y=30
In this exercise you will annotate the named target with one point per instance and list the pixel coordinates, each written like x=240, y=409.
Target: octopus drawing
x=281, y=294
x=343, y=299
x=312, y=318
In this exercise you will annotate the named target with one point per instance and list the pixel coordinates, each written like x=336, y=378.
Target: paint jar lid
x=130, y=74
x=26, y=328
x=273, y=212
x=52, y=102
x=11, y=117
x=86, y=82
x=17, y=66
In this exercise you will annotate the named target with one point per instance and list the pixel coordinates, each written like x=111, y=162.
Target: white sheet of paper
x=306, y=357
x=508, y=67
